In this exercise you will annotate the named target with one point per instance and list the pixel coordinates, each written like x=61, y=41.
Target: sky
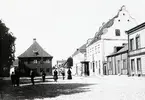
x=61, y=26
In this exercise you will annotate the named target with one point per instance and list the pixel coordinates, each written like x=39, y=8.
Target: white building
x=110, y=34
x=136, y=42
x=80, y=65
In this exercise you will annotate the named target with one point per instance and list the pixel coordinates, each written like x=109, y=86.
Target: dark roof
x=105, y=25
x=35, y=50
x=82, y=49
x=136, y=28
x=123, y=50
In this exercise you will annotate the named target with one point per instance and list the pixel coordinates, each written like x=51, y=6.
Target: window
x=47, y=69
x=118, y=62
x=47, y=61
x=117, y=32
x=124, y=64
x=93, y=67
x=99, y=67
x=98, y=48
x=110, y=65
x=132, y=65
x=41, y=69
x=95, y=49
x=138, y=64
x=35, y=61
x=137, y=42
x=131, y=44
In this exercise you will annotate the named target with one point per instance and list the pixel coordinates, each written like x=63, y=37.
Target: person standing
x=17, y=76
x=13, y=79
x=43, y=76
x=63, y=74
x=69, y=74
x=55, y=75
x=32, y=76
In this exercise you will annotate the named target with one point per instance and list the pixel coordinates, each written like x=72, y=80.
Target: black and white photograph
x=72, y=50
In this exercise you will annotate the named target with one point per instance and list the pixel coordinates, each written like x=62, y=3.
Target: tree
x=69, y=62
x=7, y=49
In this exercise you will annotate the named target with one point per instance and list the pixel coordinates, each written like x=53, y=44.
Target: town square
x=72, y=50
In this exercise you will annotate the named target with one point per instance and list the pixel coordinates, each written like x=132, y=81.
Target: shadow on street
x=39, y=90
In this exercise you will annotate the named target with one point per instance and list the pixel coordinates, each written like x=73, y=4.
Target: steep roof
x=82, y=49
x=104, y=25
x=35, y=50
x=123, y=50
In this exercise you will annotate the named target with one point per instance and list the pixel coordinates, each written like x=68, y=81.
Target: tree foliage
x=7, y=49
x=69, y=62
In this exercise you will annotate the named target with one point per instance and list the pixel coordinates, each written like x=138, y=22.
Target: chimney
x=34, y=40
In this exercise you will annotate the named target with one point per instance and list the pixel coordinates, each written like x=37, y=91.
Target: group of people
x=32, y=75
x=15, y=77
x=55, y=75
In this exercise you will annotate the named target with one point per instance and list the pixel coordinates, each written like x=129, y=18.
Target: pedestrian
x=13, y=79
x=43, y=76
x=55, y=75
x=32, y=76
x=63, y=74
x=69, y=74
x=17, y=76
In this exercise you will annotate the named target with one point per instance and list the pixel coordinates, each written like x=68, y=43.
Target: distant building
x=60, y=66
x=109, y=35
x=136, y=42
x=35, y=58
x=117, y=61
x=80, y=65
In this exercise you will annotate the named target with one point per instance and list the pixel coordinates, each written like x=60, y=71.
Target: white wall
x=77, y=63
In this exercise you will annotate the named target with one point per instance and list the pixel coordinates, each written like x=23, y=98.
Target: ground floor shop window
x=132, y=65
x=138, y=64
x=124, y=64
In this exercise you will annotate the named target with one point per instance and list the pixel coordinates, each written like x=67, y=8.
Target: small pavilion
x=35, y=58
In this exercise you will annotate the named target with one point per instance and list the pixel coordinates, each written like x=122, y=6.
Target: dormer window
x=117, y=32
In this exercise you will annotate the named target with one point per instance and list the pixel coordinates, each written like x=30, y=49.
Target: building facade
x=60, y=66
x=36, y=59
x=136, y=42
x=80, y=65
x=110, y=34
x=117, y=61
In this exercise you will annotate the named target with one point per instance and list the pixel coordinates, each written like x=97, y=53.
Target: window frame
x=117, y=32
x=137, y=38
x=131, y=44
x=132, y=65
x=138, y=64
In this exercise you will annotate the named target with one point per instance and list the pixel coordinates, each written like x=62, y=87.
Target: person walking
x=63, y=74
x=17, y=76
x=55, y=75
x=43, y=76
x=69, y=74
x=32, y=76
x=13, y=79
